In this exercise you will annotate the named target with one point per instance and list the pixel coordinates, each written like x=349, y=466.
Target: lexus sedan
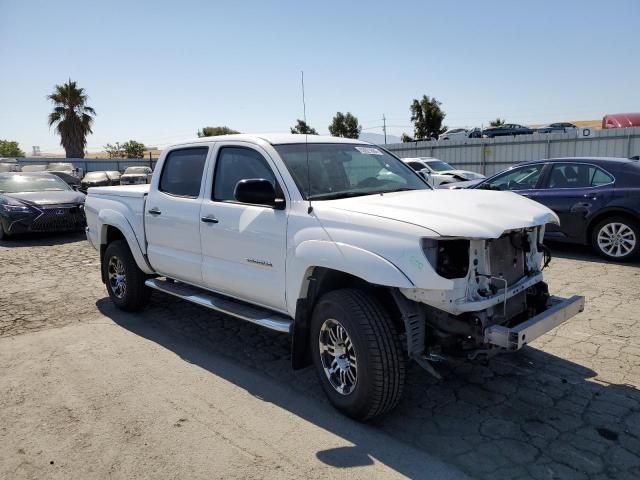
x=597, y=200
x=38, y=202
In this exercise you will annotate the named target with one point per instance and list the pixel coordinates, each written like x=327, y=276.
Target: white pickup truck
x=339, y=244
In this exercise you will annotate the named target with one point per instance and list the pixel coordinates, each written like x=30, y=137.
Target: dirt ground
x=87, y=391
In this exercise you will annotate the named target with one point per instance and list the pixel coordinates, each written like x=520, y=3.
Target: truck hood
x=452, y=213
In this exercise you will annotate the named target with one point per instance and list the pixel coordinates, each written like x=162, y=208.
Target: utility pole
x=384, y=128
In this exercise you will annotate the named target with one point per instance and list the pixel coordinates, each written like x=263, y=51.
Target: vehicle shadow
x=531, y=414
x=43, y=239
x=583, y=253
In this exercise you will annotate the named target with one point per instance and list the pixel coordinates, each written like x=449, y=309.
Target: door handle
x=590, y=196
x=155, y=211
x=209, y=219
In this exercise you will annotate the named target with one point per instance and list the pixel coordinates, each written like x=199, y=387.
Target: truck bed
x=121, y=190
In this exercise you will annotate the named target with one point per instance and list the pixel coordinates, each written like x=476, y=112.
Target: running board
x=223, y=304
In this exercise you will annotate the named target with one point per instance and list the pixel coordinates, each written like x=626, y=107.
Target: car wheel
x=125, y=281
x=617, y=238
x=357, y=353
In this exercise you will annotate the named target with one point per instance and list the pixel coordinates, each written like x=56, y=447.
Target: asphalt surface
x=87, y=391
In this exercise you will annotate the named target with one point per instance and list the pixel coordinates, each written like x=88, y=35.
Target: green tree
x=346, y=126
x=498, y=122
x=133, y=149
x=115, y=150
x=10, y=148
x=406, y=138
x=72, y=117
x=213, y=131
x=427, y=117
x=302, y=127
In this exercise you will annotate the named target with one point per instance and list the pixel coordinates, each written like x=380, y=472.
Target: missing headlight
x=449, y=257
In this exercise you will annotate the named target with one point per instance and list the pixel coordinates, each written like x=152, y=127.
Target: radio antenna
x=306, y=144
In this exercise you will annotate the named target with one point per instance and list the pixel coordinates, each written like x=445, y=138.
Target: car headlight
x=14, y=208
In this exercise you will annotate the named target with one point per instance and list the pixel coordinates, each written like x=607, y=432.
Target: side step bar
x=220, y=303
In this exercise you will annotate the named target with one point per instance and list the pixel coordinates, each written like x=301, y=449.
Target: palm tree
x=72, y=117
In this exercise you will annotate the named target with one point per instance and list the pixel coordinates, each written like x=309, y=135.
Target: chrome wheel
x=117, y=277
x=616, y=239
x=338, y=357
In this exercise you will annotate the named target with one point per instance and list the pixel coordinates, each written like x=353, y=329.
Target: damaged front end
x=498, y=302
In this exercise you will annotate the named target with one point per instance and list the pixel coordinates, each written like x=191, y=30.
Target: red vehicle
x=621, y=120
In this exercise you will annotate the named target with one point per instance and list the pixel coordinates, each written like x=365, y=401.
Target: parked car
x=474, y=133
x=114, y=176
x=136, y=175
x=507, y=129
x=9, y=165
x=99, y=179
x=621, y=120
x=68, y=178
x=596, y=199
x=436, y=172
x=64, y=167
x=461, y=185
x=38, y=202
x=560, y=127
x=454, y=134
x=337, y=243
x=33, y=168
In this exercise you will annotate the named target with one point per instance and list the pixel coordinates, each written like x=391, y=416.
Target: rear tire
x=617, y=238
x=357, y=354
x=124, y=280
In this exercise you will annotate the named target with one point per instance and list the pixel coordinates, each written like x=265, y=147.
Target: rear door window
x=577, y=175
x=182, y=172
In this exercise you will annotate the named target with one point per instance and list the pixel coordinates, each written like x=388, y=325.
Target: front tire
x=357, y=354
x=124, y=280
x=617, y=238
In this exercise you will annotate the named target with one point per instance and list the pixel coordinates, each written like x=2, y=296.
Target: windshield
x=137, y=170
x=439, y=165
x=346, y=170
x=28, y=183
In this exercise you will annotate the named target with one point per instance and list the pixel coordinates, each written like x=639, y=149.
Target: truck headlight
x=449, y=258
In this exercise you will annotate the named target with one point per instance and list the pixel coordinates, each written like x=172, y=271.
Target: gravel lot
x=87, y=391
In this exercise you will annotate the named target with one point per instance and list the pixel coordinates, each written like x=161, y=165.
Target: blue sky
x=157, y=71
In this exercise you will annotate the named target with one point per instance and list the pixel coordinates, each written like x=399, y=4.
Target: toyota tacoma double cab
x=339, y=244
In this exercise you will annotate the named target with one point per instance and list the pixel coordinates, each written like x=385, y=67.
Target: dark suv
x=597, y=200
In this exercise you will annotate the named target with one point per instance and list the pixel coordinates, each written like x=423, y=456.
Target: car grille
x=59, y=218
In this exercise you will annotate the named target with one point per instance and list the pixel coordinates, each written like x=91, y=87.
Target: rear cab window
x=182, y=172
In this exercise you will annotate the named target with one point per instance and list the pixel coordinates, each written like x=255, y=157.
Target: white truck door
x=172, y=216
x=243, y=245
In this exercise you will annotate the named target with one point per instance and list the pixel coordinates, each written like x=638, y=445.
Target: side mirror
x=75, y=187
x=257, y=191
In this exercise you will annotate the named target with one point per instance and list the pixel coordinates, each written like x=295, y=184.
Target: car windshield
x=346, y=170
x=439, y=165
x=29, y=183
x=137, y=170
